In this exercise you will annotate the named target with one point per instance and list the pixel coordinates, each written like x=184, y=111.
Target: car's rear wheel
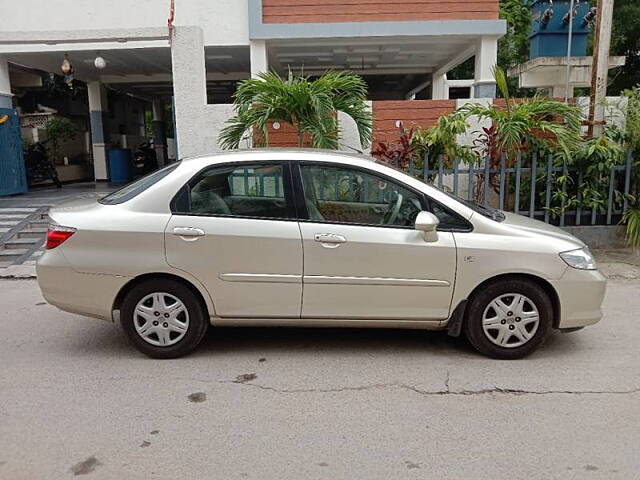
x=163, y=318
x=509, y=318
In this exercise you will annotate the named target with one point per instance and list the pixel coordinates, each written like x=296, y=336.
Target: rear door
x=234, y=228
x=363, y=258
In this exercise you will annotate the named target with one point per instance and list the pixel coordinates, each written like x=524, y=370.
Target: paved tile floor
x=50, y=196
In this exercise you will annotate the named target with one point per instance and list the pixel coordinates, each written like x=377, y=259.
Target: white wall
x=349, y=138
x=224, y=22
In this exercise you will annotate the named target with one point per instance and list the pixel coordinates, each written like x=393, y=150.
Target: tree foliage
x=625, y=40
x=513, y=48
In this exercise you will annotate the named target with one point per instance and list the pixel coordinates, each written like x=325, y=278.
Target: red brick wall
x=423, y=113
x=285, y=136
x=330, y=11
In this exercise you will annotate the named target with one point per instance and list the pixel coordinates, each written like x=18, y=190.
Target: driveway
x=77, y=400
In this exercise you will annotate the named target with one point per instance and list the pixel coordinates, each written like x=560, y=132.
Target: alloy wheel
x=510, y=320
x=161, y=319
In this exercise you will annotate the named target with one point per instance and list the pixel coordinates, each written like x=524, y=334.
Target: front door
x=363, y=259
x=234, y=229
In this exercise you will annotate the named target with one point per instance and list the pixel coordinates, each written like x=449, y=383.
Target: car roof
x=287, y=153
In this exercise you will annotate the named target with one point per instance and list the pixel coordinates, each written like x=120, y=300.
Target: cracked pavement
x=77, y=400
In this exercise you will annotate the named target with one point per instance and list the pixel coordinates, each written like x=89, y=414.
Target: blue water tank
x=550, y=28
x=120, y=165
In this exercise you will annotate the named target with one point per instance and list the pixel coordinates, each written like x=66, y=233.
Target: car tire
x=498, y=330
x=163, y=295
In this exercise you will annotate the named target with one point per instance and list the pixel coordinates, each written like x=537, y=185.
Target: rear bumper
x=581, y=294
x=85, y=294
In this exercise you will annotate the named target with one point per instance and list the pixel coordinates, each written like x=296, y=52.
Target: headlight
x=580, y=259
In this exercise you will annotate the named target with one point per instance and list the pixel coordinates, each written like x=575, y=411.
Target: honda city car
x=312, y=238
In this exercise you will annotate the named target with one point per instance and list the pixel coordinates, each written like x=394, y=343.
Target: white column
x=439, y=87
x=99, y=132
x=486, y=60
x=193, y=125
x=5, y=85
x=259, y=57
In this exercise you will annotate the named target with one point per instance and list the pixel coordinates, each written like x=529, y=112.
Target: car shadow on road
x=329, y=340
x=110, y=341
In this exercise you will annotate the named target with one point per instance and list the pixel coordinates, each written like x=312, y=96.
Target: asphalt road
x=77, y=400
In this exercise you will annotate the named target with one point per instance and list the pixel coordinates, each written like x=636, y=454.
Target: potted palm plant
x=310, y=106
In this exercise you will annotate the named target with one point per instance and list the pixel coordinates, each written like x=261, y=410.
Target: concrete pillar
x=259, y=57
x=99, y=131
x=192, y=120
x=6, y=98
x=439, y=87
x=486, y=59
x=159, y=138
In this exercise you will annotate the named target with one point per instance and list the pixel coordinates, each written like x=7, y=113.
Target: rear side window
x=134, y=189
x=255, y=191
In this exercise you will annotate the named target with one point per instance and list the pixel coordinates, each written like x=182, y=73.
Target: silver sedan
x=311, y=238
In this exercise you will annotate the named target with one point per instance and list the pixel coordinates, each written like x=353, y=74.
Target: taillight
x=57, y=235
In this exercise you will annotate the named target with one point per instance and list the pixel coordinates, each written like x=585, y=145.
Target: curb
x=21, y=272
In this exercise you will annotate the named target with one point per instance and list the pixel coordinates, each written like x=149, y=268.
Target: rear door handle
x=188, y=232
x=329, y=238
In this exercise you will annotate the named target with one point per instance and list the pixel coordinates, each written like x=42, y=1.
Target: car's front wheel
x=163, y=318
x=508, y=319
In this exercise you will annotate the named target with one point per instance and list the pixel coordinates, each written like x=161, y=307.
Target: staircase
x=22, y=234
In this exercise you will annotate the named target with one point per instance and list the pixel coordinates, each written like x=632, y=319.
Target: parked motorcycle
x=38, y=165
x=145, y=159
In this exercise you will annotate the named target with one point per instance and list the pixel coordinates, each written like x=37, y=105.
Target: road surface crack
x=446, y=391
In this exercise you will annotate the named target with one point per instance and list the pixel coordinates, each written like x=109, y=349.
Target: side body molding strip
x=260, y=278
x=401, y=282
x=329, y=280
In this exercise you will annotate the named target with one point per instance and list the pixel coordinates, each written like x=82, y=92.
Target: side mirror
x=428, y=223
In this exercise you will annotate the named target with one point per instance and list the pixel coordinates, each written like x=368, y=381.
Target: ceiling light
x=99, y=62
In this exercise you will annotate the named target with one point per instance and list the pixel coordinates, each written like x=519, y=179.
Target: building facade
x=191, y=53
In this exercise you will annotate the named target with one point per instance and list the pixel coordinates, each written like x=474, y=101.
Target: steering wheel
x=391, y=216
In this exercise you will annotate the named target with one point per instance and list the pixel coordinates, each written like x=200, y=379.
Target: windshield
x=136, y=188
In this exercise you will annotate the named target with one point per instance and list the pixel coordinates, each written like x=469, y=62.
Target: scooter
x=38, y=165
x=144, y=159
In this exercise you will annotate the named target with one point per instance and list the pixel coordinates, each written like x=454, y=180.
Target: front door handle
x=329, y=239
x=188, y=232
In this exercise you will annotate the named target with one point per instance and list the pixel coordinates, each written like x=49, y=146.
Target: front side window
x=244, y=191
x=347, y=195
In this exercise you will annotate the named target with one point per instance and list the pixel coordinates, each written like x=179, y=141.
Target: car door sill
x=328, y=323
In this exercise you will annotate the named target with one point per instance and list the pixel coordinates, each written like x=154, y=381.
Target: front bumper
x=581, y=293
x=85, y=294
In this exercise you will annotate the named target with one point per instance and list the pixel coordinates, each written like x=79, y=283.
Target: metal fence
x=532, y=186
